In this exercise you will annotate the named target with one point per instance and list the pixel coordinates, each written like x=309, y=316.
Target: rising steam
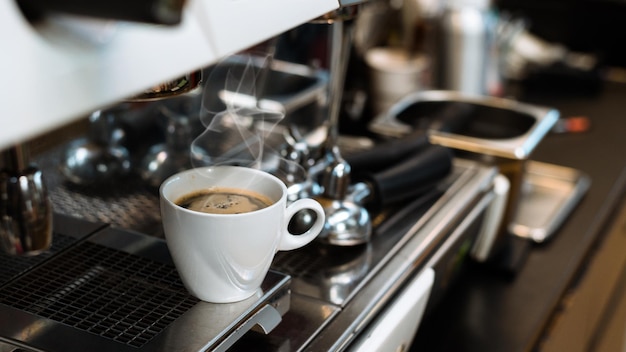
x=240, y=128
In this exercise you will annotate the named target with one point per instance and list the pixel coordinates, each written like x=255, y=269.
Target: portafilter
x=389, y=173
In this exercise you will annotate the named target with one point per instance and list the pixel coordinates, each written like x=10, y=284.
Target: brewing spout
x=338, y=172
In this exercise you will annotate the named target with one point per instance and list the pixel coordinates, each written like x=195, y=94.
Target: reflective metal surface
x=347, y=223
x=325, y=294
x=294, y=89
x=549, y=194
x=119, y=291
x=100, y=157
x=495, y=131
x=172, y=88
x=357, y=282
x=25, y=208
x=516, y=127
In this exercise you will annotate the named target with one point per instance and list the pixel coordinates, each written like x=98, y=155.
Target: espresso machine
x=398, y=230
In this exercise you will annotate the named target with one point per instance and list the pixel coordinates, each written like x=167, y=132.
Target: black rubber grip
x=412, y=176
x=386, y=154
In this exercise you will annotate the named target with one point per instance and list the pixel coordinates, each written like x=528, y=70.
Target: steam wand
x=336, y=174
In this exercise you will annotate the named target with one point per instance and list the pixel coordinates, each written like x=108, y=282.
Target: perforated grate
x=11, y=266
x=103, y=291
x=305, y=265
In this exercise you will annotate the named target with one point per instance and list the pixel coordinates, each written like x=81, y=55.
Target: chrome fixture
x=25, y=209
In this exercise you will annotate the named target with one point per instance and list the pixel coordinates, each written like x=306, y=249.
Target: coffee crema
x=221, y=200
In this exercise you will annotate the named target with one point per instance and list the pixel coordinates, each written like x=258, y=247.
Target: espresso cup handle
x=290, y=241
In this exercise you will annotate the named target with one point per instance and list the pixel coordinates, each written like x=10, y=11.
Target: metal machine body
x=107, y=288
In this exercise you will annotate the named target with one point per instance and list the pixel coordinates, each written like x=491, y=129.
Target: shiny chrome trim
x=512, y=148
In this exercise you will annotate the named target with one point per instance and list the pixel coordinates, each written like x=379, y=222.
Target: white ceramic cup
x=224, y=258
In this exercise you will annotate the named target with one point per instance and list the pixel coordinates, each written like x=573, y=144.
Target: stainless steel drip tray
x=67, y=231
x=119, y=291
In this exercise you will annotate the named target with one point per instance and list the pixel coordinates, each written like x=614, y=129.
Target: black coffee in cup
x=224, y=201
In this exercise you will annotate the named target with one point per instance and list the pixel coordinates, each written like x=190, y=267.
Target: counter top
x=490, y=312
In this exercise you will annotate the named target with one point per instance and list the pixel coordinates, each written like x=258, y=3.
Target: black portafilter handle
x=163, y=12
x=452, y=118
x=386, y=154
x=411, y=177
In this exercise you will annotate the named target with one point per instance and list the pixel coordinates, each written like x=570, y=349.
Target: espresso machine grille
x=113, y=294
x=13, y=266
x=112, y=289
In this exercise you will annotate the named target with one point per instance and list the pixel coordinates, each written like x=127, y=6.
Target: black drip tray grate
x=11, y=266
x=113, y=294
x=304, y=265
